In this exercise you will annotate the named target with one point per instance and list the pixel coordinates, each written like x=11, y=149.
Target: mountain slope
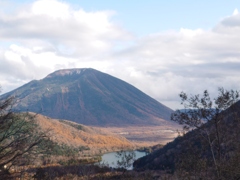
x=197, y=153
x=75, y=135
x=90, y=97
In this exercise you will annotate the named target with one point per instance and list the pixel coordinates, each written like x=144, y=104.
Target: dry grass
x=146, y=136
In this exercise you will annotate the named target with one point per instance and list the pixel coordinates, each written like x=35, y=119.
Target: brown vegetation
x=75, y=135
x=146, y=135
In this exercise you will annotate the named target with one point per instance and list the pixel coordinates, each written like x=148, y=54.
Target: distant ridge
x=90, y=97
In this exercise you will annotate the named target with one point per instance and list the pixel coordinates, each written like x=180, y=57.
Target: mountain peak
x=67, y=72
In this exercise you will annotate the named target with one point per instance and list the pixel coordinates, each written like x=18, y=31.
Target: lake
x=111, y=159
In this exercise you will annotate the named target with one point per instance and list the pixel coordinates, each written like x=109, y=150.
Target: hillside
x=76, y=135
x=195, y=154
x=90, y=97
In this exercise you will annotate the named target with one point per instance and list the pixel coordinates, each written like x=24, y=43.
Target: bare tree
x=19, y=136
x=211, y=117
x=125, y=159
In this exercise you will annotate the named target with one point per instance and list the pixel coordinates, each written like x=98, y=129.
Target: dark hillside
x=192, y=152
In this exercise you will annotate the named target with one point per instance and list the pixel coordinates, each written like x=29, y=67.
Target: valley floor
x=147, y=135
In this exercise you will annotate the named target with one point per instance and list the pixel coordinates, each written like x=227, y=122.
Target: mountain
x=90, y=97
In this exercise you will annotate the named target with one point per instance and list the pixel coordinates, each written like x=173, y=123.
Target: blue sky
x=144, y=17
x=161, y=47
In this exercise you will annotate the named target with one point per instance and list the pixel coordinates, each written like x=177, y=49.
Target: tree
x=125, y=159
x=214, y=120
x=19, y=136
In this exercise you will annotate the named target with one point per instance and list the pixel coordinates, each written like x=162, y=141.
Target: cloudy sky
x=160, y=47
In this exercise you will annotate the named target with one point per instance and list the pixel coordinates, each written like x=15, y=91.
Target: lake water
x=111, y=159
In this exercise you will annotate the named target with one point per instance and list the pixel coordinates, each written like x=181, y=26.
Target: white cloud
x=57, y=23
x=190, y=33
x=189, y=60
x=50, y=34
x=235, y=12
x=51, y=8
